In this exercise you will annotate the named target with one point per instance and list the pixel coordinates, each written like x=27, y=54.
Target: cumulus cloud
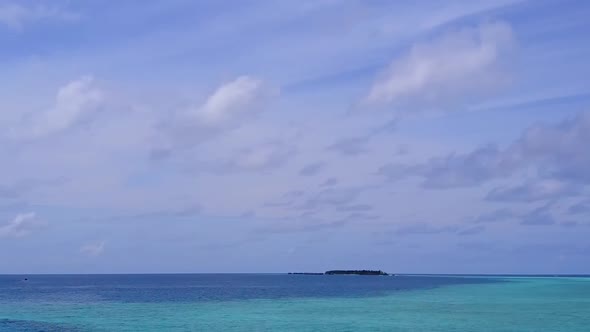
x=23, y=224
x=231, y=101
x=458, y=64
x=93, y=249
x=16, y=15
x=73, y=103
x=228, y=107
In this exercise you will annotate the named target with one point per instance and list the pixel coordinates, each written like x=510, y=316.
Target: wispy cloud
x=541, y=216
x=540, y=189
x=496, y=216
x=457, y=65
x=226, y=108
x=230, y=102
x=555, y=150
x=16, y=15
x=73, y=102
x=424, y=229
x=579, y=208
x=93, y=249
x=311, y=169
x=351, y=146
x=22, y=225
x=296, y=120
x=472, y=230
x=330, y=182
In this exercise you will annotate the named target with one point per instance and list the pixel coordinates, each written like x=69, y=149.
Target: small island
x=357, y=272
x=345, y=272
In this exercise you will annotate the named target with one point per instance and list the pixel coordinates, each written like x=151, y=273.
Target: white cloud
x=93, y=249
x=21, y=225
x=456, y=65
x=73, y=102
x=228, y=107
x=15, y=15
x=232, y=101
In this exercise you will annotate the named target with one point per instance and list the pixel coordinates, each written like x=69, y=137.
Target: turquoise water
x=403, y=304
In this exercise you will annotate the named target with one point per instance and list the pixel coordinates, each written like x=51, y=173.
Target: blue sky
x=265, y=136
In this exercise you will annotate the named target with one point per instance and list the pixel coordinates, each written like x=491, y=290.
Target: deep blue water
x=207, y=287
x=280, y=302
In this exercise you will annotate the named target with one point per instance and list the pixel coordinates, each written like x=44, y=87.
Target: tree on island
x=357, y=272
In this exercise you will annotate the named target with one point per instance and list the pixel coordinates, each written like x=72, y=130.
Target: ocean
x=280, y=302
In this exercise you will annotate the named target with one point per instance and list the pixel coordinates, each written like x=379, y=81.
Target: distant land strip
x=345, y=272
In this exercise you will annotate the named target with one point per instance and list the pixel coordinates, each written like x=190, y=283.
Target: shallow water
x=293, y=303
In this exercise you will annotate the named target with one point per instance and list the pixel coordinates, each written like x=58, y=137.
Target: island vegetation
x=357, y=272
x=346, y=272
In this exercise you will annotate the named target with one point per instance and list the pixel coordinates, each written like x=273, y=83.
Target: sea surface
x=280, y=302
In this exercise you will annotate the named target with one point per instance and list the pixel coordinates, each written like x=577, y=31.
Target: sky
x=273, y=136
